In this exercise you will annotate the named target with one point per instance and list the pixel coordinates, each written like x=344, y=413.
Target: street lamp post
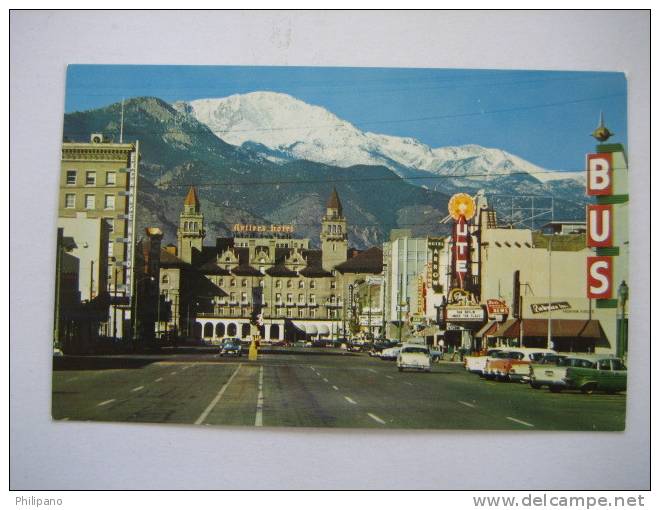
x=622, y=326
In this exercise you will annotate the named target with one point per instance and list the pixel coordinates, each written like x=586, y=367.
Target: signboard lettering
x=599, y=277
x=496, y=307
x=435, y=245
x=599, y=174
x=599, y=226
x=252, y=228
x=464, y=313
x=548, y=307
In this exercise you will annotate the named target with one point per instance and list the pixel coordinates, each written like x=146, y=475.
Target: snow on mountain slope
x=294, y=129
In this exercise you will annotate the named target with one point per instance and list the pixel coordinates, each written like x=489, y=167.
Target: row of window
x=281, y=312
x=90, y=178
x=89, y=201
x=278, y=297
x=278, y=283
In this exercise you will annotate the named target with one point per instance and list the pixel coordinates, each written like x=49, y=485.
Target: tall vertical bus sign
x=599, y=225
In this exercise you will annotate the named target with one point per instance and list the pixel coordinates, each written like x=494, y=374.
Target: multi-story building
x=294, y=290
x=99, y=180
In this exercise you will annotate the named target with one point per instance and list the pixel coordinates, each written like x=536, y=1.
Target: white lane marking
x=376, y=418
x=172, y=373
x=105, y=402
x=159, y=379
x=519, y=421
x=259, y=418
x=372, y=370
x=186, y=367
x=312, y=368
x=64, y=419
x=389, y=377
x=215, y=400
x=138, y=388
x=72, y=379
x=350, y=400
x=408, y=383
x=466, y=403
x=335, y=388
x=325, y=380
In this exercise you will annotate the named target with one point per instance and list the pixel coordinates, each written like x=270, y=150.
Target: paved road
x=317, y=390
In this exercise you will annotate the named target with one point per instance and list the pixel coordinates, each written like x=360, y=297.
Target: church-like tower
x=334, y=238
x=191, y=231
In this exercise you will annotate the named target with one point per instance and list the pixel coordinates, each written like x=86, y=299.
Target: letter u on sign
x=599, y=174
x=599, y=226
x=599, y=277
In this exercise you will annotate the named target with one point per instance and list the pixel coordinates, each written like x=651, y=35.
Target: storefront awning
x=561, y=328
x=487, y=329
x=323, y=329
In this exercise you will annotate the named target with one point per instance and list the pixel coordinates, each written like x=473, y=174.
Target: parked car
x=477, y=364
x=552, y=375
x=513, y=365
x=231, y=348
x=379, y=346
x=414, y=356
x=390, y=354
x=602, y=374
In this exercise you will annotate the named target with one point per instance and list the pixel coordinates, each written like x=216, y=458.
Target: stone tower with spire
x=334, y=237
x=191, y=231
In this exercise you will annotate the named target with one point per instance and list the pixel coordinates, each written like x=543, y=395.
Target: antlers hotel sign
x=249, y=228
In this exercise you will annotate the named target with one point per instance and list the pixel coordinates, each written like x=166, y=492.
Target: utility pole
x=398, y=306
x=369, y=314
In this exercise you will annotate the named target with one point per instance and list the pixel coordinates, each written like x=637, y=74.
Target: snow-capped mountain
x=283, y=128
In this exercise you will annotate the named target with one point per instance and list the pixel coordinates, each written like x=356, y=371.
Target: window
x=244, y=283
x=232, y=297
x=90, y=178
x=278, y=284
x=166, y=279
x=278, y=298
x=312, y=299
x=301, y=313
x=289, y=298
x=312, y=284
x=301, y=284
x=70, y=200
x=333, y=284
x=111, y=224
x=301, y=298
x=90, y=202
x=232, y=282
x=111, y=250
x=109, y=202
x=70, y=177
x=289, y=284
x=110, y=178
x=244, y=297
x=221, y=282
x=312, y=313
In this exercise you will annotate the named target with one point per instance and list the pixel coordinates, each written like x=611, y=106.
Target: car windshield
x=575, y=362
x=416, y=350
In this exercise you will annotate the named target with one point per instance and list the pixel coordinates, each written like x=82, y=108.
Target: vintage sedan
x=477, y=364
x=513, y=365
x=390, y=354
x=603, y=374
x=552, y=374
x=415, y=357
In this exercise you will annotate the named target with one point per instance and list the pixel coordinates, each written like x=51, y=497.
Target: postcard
x=342, y=247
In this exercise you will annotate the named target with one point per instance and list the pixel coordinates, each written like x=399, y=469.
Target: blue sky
x=544, y=117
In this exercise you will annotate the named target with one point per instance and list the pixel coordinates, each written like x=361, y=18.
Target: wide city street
x=313, y=389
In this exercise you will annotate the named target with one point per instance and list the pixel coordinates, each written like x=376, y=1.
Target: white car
x=390, y=354
x=414, y=356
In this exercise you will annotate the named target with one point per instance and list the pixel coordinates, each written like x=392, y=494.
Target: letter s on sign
x=599, y=277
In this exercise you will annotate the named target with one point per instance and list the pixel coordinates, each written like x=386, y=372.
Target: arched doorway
x=231, y=329
x=197, y=330
x=219, y=330
x=245, y=330
x=274, y=332
x=208, y=330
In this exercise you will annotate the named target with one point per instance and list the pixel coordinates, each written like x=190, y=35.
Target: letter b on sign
x=599, y=277
x=599, y=174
